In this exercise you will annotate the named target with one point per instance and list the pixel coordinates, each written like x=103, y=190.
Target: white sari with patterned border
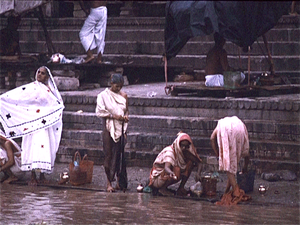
x=34, y=112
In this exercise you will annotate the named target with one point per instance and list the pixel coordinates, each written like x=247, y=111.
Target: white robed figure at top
x=92, y=33
x=34, y=112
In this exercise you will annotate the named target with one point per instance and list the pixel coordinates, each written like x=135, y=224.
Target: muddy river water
x=44, y=205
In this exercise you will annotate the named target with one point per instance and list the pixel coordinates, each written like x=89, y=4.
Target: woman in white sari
x=34, y=112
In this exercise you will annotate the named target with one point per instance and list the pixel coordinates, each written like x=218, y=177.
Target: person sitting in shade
x=216, y=59
x=173, y=164
x=216, y=63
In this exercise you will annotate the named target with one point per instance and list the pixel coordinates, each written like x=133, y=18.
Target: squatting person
x=173, y=164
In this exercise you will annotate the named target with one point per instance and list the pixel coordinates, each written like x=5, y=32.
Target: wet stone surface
x=278, y=192
x=22, y=204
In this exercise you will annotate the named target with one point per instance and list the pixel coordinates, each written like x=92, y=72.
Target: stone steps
x=154, y=123
x=281, y=110
x=140, y=42
x=144, y=158
x=147, y=135
x=154, y=141
x=140, y=35
x=68, y=45
x=195, y=126
x=145, y=146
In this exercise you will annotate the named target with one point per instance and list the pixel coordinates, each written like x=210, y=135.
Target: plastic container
x=232, y=79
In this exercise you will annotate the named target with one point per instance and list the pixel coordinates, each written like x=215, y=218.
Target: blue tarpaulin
x=240, y=22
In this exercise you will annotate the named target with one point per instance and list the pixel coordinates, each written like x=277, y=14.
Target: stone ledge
x=128, y=21
x=149, y=142
x=222, y=104
x=232, y=103
x=140, y=158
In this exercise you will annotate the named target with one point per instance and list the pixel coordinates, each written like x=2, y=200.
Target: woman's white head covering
x=30, y=107
x=50, y=82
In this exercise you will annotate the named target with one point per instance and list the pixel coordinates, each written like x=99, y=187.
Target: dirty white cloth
x=216, y=80
x=60, y=58
x=109, y=102
x=34, y=112
x=17, y=154
x=92, y=33
x=173, y=155
x=233, y=142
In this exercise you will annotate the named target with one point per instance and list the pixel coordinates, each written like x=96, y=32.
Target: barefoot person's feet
x=4, y=178
x=99, y=58
x=117, y=186
x=110, y=188
x=10, y=180
x=89, y=59
x=33, y=181
x=181, y=192
x=42, y=179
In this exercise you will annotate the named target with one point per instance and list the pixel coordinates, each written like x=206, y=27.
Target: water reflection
x=37, y=205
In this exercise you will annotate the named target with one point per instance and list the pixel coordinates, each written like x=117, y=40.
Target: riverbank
x=285, y=193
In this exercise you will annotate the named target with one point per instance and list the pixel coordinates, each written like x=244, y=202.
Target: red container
x=209, y=186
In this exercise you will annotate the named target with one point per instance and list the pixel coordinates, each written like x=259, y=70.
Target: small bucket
x=246, y=180
x=209, y=186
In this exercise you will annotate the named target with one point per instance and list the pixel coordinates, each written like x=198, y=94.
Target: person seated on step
x=216, y=59
x=230, y=142
x=92, y=33
x=112, y=107
x=173, y=164
x=9, y=37
x=10, y=155
x=216, y=63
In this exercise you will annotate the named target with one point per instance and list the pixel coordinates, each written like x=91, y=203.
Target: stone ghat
x=283, y=108
x=140, y=42
x=272, y=123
